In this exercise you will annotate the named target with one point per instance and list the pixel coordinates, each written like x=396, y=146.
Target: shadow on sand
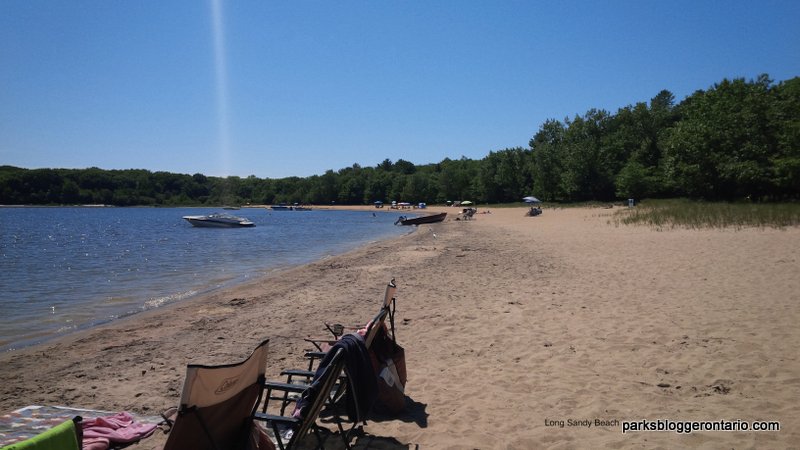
x=363, y=441
x=414, y=413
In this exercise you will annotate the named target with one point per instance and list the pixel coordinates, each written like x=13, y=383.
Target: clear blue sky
x=284, y=88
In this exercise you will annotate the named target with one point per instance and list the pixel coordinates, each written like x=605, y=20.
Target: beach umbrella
x=378, y=202
x=466, y=203
x=531, y=200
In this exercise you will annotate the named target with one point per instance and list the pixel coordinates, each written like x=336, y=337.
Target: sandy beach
x=520, y=332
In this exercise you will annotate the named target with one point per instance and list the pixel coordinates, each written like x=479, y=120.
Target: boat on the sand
x=433, y=218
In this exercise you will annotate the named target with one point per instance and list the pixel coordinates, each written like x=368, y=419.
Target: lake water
x=63, y=269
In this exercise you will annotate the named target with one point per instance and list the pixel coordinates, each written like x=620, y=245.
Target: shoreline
x=165, y=297
x=510, y=323
x=231, y=285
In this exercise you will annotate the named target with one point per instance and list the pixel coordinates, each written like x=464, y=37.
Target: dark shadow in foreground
x=414, y=412
x=332, y=441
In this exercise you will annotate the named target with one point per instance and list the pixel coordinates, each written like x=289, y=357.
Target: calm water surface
x=63, y=269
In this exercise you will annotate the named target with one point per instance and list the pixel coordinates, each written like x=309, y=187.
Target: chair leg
x=318, y=436
x=277, y=433
x=345, y=435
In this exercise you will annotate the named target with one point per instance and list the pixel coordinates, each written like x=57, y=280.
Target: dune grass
x=681, y=213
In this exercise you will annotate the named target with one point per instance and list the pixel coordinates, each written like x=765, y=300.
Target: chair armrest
x=318, y=342
x=286, y=387
x=291, y=373
x=276, y=419
x=308, y=374
x=313, y=356
x=284, y=393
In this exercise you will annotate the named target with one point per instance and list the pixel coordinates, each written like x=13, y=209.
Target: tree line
x=738, y=139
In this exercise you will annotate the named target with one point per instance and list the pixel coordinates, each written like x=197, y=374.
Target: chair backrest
x=326, y=382
x=374, y=325
x=389, y=303
x=388, y=298
x=217, y=403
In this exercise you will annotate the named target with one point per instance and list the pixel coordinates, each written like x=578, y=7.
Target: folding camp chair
x=299, y=378
x=218, y=403
x=387, y=309
x=347, y=394
x=305, y=374
x=289, y=430
x=337, y=330
x=371, y=330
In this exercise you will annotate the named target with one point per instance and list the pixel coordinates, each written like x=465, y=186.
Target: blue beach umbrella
x=531, y=200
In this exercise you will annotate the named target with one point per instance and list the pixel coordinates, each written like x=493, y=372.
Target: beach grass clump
x=682, y=213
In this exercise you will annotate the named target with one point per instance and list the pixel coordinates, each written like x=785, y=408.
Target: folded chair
x=218, y=403
x=290, y=430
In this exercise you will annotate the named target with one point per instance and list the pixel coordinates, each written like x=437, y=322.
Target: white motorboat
x=219, y=220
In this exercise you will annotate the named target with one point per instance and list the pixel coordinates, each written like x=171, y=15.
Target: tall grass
x=682, y=213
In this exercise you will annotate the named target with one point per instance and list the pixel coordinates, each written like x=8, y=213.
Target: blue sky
x=293, y=88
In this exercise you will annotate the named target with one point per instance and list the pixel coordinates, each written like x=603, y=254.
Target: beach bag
x=389, y=362
x=392, y=382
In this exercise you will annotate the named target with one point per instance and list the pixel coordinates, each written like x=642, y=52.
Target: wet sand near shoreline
x=520, y=332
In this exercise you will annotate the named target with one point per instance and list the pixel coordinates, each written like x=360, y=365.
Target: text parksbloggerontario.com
x=690, y=426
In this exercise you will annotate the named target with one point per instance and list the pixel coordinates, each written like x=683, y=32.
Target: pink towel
x=99, y=433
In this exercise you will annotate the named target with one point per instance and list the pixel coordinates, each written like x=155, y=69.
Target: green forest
x=739, y=139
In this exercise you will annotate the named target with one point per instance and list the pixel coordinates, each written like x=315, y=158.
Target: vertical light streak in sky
x=221, y=72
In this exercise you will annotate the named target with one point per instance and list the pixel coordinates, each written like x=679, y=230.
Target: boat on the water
x=402, y=220
x=219, y=220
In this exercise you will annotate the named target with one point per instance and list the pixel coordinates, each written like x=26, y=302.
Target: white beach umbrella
x=531, y=199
